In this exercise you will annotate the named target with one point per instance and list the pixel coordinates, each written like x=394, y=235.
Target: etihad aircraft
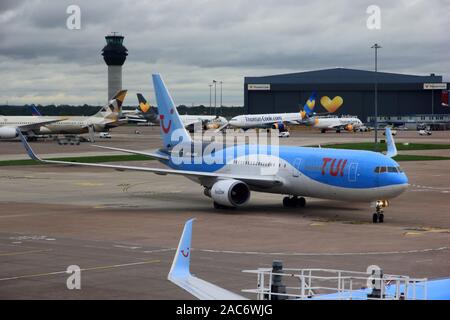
x=106, y=118
x=274, y=120
x=147, y=113
x=298, y=172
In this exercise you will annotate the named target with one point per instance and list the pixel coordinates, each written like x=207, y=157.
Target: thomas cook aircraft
x=297, y=172
x=274, y=120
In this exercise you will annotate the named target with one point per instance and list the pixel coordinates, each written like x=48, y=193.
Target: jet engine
x=8, y=133
x=230, y=193
x=280, y=126
x=349, y=127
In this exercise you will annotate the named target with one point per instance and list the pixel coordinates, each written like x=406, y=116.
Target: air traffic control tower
x=114, y=54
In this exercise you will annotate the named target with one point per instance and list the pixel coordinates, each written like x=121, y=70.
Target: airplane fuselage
x=325, y=123
x=346, y=175
x=67, y=125
x=263, y=120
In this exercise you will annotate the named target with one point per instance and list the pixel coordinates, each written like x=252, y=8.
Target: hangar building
x=398, y=94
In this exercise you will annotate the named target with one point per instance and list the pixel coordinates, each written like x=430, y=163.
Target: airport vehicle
x=147, y=113
x=424, y=132
x=31, y=126
x=277, y=283
x=284, y=134
x=274, y=120
x=228, y=174
x=105, y=135
x=337, y=123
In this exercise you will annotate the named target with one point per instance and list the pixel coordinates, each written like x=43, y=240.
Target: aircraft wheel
x=323, y=131
x=301, y=202
x=375, y=218
x=381, y=218
x=289, y=202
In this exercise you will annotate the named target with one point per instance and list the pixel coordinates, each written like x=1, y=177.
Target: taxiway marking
x=85, y=269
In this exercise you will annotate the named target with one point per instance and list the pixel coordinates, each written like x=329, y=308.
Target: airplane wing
x=262, y=181
x=37, y=125
x=181, y=276
x=156, y=155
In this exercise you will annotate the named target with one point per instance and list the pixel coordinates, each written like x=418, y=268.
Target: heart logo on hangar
x=331, y=105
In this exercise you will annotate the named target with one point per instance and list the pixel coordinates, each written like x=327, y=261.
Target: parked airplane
x=273, y=120
x=106, y=118
x=338, y=123
x=390, y=287
x=347, y=175
x=147, y=113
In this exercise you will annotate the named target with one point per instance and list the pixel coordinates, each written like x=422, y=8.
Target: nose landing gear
x=378, y=216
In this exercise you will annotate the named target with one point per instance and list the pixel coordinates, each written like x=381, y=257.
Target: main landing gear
x=293, y=202
x=378, y=216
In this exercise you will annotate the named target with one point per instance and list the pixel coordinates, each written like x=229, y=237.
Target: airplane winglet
x=181, y=262
x=30, y=151
x=391, y=148
x=181, y=276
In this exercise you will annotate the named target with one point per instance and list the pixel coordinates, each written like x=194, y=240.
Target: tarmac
x=121, y=228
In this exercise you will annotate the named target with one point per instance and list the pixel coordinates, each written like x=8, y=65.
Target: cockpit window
x=388, y=169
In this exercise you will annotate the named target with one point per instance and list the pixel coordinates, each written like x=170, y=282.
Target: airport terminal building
x=399, y=95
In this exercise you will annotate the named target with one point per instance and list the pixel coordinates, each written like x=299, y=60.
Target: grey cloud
x=200, y=40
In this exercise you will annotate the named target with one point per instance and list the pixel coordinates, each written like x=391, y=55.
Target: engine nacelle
x=230, y=193
x=349, y=127
x=8, y=133
x=279, y=125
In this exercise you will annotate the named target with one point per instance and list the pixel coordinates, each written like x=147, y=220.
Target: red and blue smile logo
x=163, y=126
x=185, y=253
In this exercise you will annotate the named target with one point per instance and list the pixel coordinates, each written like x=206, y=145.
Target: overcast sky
x=192, y=42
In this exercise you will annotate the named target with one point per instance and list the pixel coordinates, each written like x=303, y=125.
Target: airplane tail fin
x=172, y=128
x=113, y=110
x=34, y=111
x=390, y=143
x=308, y=108
x=144, y=106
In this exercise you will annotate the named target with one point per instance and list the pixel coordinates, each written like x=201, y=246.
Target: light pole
x=376, y=46
x=215, y=96
x=210, y=88
x=221, y=82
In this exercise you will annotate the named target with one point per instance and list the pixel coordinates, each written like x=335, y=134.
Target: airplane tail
x=144, y=106
x=34, y=111
x=308, y=108
x=172, y=128
x=113, y=110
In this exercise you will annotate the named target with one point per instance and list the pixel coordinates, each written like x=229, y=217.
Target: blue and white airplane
x=180, y=275
x=297, y=172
